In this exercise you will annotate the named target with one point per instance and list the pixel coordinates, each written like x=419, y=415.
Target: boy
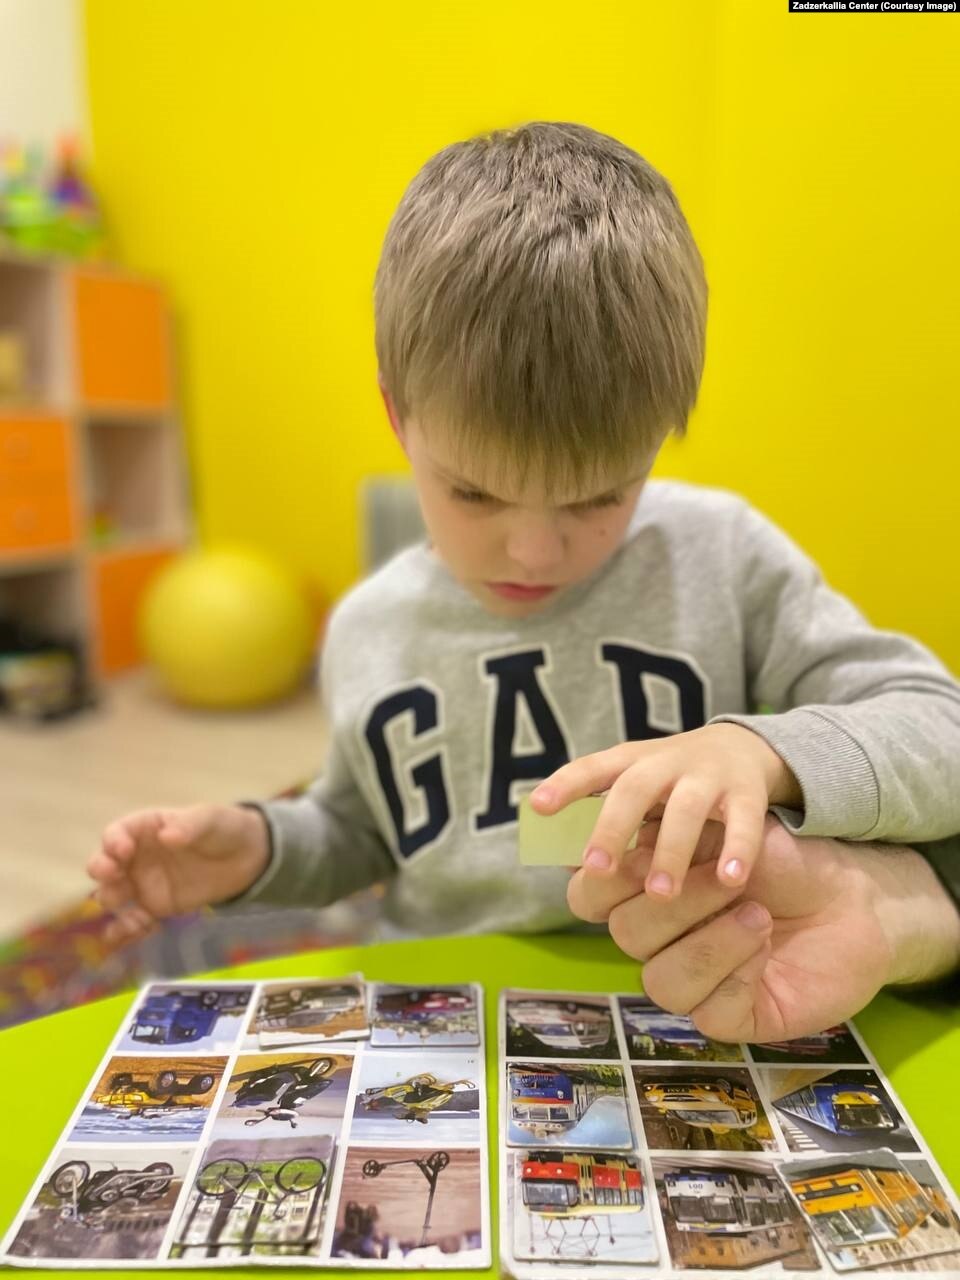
x=540, y=314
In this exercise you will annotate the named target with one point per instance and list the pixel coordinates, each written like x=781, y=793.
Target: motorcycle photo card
x=418, y=1095
x=99, y=1204
x=276, y=1094
x=309, y=1010
x=434, y=1016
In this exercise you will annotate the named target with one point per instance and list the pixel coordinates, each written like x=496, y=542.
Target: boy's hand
x=163, y=862
x=823, y=925
x=722, y=772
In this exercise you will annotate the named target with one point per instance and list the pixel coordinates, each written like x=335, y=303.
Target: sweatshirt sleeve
x=325, y=843
x=868, y=720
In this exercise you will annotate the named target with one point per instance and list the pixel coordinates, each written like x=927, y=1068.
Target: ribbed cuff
x=840, y=793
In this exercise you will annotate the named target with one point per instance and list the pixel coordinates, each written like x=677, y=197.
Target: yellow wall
x=251, y=155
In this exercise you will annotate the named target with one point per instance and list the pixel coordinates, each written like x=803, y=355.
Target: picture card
x=405, y=1096
x=559, y=839
x=417, y=1207
x=567, y=1104
x=102, y=1202
x=875, y=1210
x=311, y=1010
x=653, y=1034
x=273, y=1094
x=560, y=1024
x=187, y=1016
x=150, y=1099
x=434, y=1016
x=256, y=1199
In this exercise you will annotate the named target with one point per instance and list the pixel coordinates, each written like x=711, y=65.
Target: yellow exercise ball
x=227, y=627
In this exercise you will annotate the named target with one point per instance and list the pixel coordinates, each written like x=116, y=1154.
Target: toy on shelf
x=48, y=207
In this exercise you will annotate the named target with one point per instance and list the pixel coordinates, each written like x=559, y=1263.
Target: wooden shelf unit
x=93, y=485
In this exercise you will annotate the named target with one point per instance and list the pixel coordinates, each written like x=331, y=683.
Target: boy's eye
x=594, y=504
x=470, y=495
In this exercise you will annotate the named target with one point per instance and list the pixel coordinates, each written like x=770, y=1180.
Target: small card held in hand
x=559, y=840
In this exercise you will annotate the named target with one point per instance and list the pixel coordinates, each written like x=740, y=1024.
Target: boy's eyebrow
x=469, y=484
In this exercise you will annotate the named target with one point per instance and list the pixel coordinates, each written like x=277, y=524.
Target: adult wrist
x=918, y=917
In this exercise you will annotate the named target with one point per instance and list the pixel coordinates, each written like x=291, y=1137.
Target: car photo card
x=156, y=1098
x=835, y=1109
x=406, y=1096
x=174, y=1017
x=836, y=1044
x=730, y=1213
x=311, y=1009
x=560, y=1024
x=579, y=1207
x=876, y=1210
x=566, y=1104
x=701, y=1109
x=412, y=1207
x=256, y=1199
x=285, y=1093
x=654, y=1034
x=100, y=1203
x=425, y=1015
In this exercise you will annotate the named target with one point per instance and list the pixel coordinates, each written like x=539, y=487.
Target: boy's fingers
x=129, y=925
x=102, y=867
x=681, y=827
x=744, y=819
x=623, y=813
x=117, y=894
x=584, y=776
x=688, y=972
x=642, y=926
x=730, y=1011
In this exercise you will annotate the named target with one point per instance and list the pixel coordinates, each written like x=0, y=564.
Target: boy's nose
x=536, y=546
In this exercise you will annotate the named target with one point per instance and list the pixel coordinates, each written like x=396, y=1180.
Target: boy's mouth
x=517, y=591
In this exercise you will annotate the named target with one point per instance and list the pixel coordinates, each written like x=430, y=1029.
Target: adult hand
x=819, y=928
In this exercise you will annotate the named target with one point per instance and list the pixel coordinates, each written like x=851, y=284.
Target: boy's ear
x=391, y=410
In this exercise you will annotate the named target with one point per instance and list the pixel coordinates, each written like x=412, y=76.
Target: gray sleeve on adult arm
x=868, y=720
x=324, y=844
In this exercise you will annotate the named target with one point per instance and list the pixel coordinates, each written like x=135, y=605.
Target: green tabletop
x=46, y=1065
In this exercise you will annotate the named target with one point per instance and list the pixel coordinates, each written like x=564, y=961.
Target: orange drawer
x=119, y=581
x=122, y=341
x=35, y=518
x=31, y=446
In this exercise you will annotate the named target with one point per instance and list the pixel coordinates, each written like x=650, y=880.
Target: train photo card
x=682, y=1109
x=730, y=1214
x=560, y=1024
x=653, y=1034
x=310, y=1010
x=580, y=1207
x=876, y=1210
x=845, y=1109
x=427, y=1016
x=285, y=1093
x=575, y=1104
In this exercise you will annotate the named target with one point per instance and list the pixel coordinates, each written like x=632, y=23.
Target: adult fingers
x=584, y=776
x=642, y=925
x=592, y=895
x=744, y=817
x=730, y=1011
x=687, y=810
x=685, y=974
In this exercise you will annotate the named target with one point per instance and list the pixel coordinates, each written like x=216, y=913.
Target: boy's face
x=510, y=545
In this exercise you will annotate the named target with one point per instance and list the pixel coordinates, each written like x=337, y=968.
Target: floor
x=61, y=783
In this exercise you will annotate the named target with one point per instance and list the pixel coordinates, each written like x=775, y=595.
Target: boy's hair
x=539, y=291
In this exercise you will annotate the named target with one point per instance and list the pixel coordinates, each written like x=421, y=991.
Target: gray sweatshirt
x=442, y=715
